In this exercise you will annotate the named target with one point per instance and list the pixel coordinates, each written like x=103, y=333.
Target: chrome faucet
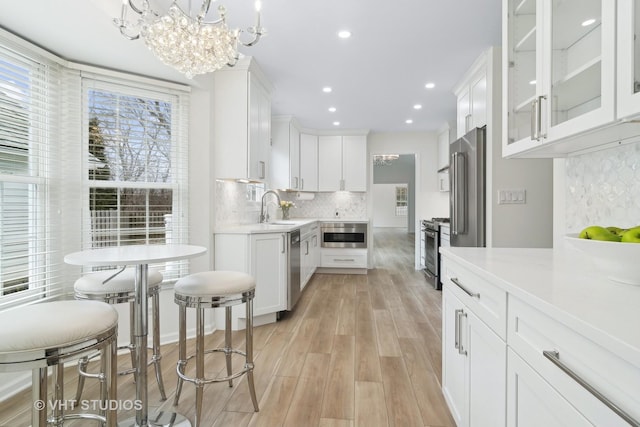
x=264, y=216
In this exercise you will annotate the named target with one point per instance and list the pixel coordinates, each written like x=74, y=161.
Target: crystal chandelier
x=384, y=159
x=191, y=45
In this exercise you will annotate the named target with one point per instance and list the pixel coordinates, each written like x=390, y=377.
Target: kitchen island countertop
x=566, y=285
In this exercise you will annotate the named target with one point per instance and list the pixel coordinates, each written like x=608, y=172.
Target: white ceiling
x=377, y=75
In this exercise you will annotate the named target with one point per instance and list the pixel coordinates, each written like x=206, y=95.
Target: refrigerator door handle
x=460, y=194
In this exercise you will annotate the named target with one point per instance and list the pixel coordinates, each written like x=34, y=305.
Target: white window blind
x=30, y=263
x=135, y=167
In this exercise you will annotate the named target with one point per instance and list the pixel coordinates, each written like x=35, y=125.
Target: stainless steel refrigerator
x=467, y=189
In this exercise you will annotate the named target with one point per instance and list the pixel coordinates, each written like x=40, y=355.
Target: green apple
x=632, y=235
x=617, y=230
x=595, y=232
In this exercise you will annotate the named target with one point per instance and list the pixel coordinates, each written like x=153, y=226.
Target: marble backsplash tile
x=325, y=205
x=603, y=188
x=239, y=203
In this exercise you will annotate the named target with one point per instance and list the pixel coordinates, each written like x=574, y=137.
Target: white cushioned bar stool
x=37, y=336
x=115, y=287
x=212, y=289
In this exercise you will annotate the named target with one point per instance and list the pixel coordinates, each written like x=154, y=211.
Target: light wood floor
x=358, y=350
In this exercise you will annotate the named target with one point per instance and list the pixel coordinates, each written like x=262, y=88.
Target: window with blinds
x=136, y=167
x=28, y=127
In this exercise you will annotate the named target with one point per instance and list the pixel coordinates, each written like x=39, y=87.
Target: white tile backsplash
x=325, y=205
x=603, y=188
x=236, y=205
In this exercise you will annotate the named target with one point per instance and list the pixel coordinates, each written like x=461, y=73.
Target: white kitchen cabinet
x=308, y=162
x=241, y=122
x=613, y=376
x=269, y=267
x=308, y=252
x=473, y=354
x=342, y=163
x=559, y=68
x=285, y=154
x=471, y=95
x=628, y=71
x=343, y=258
x=532, y=402
x=264, y=256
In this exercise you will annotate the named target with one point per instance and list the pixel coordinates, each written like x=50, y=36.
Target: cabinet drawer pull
x=467, y=291
x=554, y=357
x=344, y=259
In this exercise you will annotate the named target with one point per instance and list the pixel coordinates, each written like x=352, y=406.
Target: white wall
x=384, y=207
x=430, y=202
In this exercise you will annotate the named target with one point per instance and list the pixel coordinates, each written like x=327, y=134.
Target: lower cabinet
x=473, y=371
x=508, y=359
x=264, y=256
x=532, y=402
x=343, y=258
x=269, y=267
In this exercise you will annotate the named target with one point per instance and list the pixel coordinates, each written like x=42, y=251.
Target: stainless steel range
x=430, y=245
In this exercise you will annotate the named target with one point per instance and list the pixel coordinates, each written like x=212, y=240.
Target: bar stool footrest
x=182, y=364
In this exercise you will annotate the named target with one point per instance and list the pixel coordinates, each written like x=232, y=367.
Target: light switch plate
x=512, y=197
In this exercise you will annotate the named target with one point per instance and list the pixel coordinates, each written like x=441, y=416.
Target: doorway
x=394, y=191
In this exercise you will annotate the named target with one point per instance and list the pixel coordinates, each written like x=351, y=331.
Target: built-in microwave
x=343, y=235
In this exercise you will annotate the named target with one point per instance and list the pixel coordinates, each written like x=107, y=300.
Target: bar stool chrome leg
x=227, y=342
x=182, y=349
x=249, y=354
x=157, y=357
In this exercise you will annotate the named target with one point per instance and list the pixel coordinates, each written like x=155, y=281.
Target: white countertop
x=565, y=285
x=281, y=226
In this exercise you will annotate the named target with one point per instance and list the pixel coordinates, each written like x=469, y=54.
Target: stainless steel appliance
x=343, y=235
x=467, y=184
x=430, y=251
x=293, y=272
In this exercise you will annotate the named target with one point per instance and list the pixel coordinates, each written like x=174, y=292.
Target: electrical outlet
x=512, y=197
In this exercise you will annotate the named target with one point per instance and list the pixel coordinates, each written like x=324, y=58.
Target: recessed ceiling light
x=408, y=121
x=417, y=107
x=332, y=109
x=326, y=89
x=344, y=34
x=430, y=85
x=336, y=123
x=588, y=22
x=532, y=82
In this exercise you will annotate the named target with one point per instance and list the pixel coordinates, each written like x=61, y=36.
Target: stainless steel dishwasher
x=293, y=273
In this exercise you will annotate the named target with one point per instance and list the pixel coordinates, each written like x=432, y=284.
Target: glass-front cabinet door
x=580, y=49
x=560, y=70
x=523, y=65
x=628, y=58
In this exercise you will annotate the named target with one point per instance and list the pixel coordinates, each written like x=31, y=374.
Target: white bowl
x=617, y=261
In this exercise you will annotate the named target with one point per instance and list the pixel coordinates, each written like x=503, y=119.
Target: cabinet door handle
x=307, y=242
x=456, y=330
x=539, y=114
x=263, y=168
x=342, y=185
x=467, y=291
x=461, y=349
x=554, y=357
x=284, y=243
x=534, y=119
x=302, y=183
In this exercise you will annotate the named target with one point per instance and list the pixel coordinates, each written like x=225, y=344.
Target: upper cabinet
x=559, y=60
x=285, y=154
x=472, y=100
x=342, y=163
x=443, y=149
x=241, y=122
x=308, y=162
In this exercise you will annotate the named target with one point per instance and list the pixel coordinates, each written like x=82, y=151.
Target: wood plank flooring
x=358, y=350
